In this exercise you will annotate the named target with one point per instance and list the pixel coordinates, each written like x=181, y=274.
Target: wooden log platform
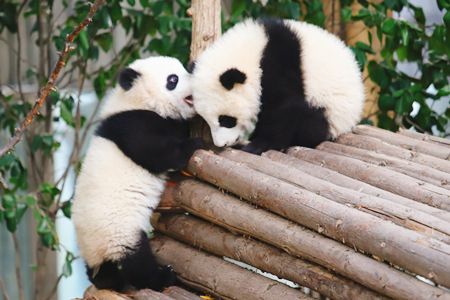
x=364, y=217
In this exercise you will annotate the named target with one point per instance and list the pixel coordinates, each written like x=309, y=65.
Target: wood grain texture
x=408, y=249
x=378, y=176
x=214, y=275
x=210, y=204
x=216, y=240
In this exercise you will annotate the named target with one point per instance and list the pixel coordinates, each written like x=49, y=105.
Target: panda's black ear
x=232, y=76
x=127, y=77
x=191, y=67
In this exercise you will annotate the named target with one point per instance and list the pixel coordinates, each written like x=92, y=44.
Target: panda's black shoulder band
x=232, y=76
x=127, y=77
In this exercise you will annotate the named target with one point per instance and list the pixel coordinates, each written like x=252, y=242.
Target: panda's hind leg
x=107, y=276
x=142, y=271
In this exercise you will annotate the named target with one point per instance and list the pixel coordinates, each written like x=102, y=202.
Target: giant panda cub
x=271, y=84
x=142, y=135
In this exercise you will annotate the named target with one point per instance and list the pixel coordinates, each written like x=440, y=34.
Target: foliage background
x=30, y=189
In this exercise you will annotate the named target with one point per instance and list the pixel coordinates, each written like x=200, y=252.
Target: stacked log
x=348, y=220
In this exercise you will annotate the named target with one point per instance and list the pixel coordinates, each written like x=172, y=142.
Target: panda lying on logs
x=272, y=84
x=142, y=135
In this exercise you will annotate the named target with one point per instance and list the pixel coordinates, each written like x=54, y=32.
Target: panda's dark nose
x=227, y=121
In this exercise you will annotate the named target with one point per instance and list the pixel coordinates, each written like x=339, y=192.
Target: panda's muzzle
x=189, y=101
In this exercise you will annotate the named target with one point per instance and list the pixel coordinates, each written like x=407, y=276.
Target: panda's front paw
x=168, y=276
x=254, y=149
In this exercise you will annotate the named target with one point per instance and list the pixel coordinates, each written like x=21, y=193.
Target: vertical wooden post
x=206, y=28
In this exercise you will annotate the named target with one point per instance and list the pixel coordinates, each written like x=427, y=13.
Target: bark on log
x=146, y=294
x=408, y=249
x=150, y=295
x=404, y=141
x=425, y=137
x=378, y=176
x=221, y=242
x=238, y=216
x=410, y=218
x=379, y=146
x=412, y=169
x=214, y=275
x=178, y=293
x=353, y=184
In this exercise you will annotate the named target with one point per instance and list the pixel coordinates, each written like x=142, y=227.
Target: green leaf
x=105, y=41
x=67, y=209
x=21, y=209
x=378, y=74
x=84, y=39
x=388, y=26
x=364, y=47
x=386, y=102
x=402, y=53
x=386, y=122
x=405, y=36
x=447, y=19
x=346, y=14
x=131, y=2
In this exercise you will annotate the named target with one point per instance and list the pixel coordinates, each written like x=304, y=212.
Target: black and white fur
x=142, y=134
x=272, y=84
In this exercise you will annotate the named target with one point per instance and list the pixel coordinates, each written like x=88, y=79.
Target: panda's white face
x=159, y=84
x=230, y=114
x=226, y=84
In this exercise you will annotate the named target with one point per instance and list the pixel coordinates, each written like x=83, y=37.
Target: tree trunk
x=353, y=184
x=388, y=241
x=214, y=275
x=412, y=169
x=404, y=141
x=238, y=216
x=410, y=218
x=220, y=242
x=378, y=176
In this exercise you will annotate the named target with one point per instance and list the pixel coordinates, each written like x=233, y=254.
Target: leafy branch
x=50, y=85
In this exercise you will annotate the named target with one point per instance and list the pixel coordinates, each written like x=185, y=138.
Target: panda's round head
x=226, y=83
x=160, y=84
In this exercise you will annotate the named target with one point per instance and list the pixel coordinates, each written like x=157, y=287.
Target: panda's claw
x=168, y=275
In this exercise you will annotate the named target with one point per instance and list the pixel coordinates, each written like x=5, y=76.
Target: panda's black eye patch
x=227, y=121
x=126, y=78
x=230, y=77
x=172, y=81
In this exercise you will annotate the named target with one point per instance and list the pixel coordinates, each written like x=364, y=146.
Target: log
x=214, y=275
x=220, y=242
x=150, y=295
x=404, y=141
x=379, y=146
x=383, y=178
x=353, y=184
x=408, y=249
x=238, y=216
x=425, y=137
x=146, y=294
x=178, y=293
x=401, y=215
x=421, y=172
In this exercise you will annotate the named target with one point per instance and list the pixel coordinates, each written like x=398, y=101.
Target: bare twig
x=53, y=290
x=19, y=52
x=3, y=289
x=50, y=86
x=18, y=273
